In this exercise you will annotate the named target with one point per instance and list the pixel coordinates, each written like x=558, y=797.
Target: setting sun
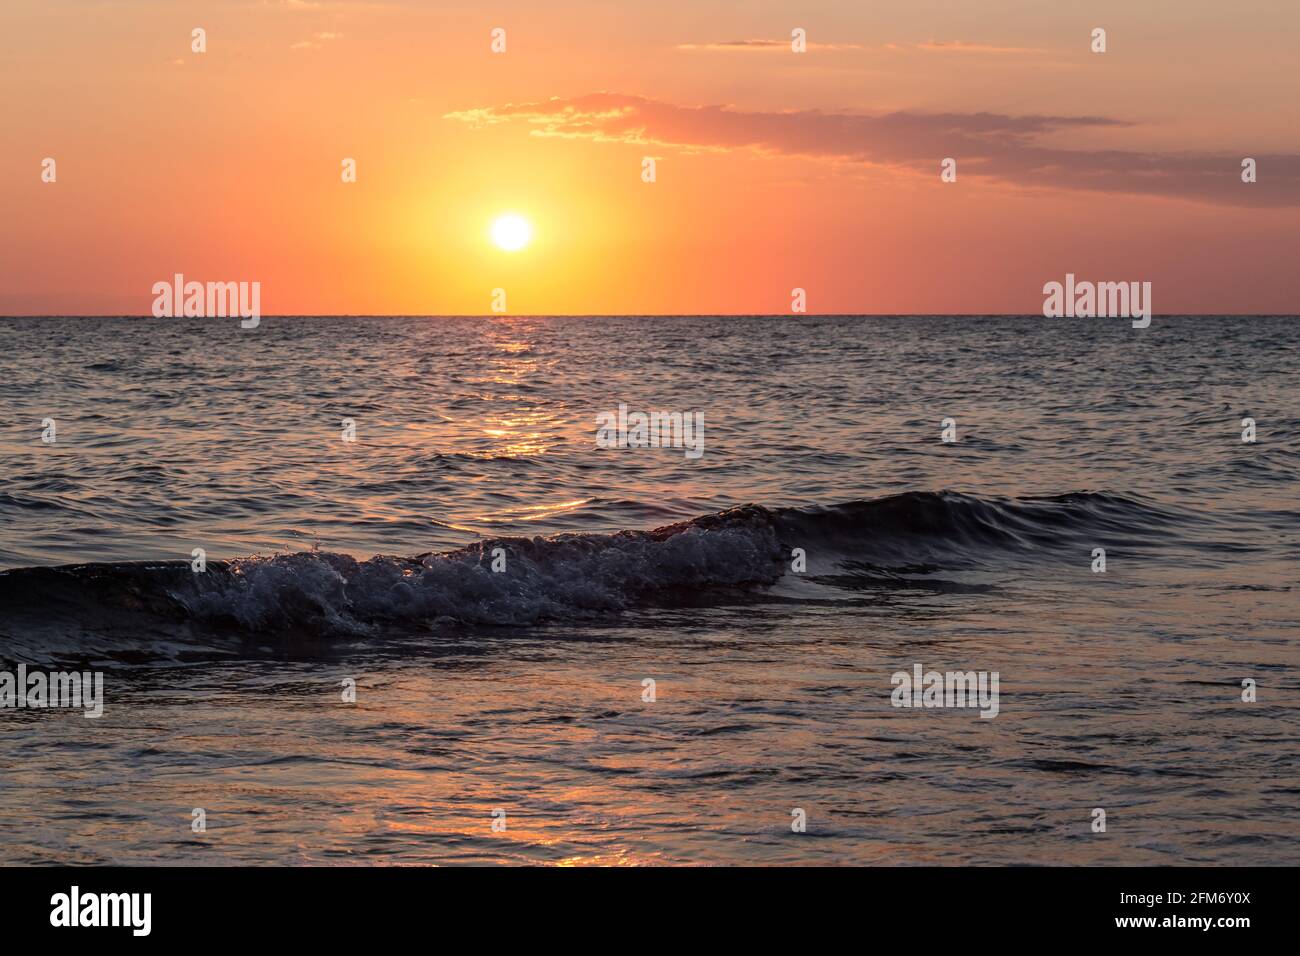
x=511, y=232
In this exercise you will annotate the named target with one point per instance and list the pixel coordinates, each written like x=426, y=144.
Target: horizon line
x=636, y=315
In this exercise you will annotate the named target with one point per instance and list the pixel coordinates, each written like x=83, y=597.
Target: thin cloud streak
x=962, y=46
x=760, y=46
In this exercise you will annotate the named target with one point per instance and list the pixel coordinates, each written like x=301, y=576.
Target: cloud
x=307, y=6
x=962, y=46
x=340, y=7
x=1013, y=150
x=317, y=41
x=734, y=46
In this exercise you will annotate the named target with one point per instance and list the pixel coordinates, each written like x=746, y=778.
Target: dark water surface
x=522, y=690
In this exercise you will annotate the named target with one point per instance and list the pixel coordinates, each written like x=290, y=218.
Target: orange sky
x=776, y=170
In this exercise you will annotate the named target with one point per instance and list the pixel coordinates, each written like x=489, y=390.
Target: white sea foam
x=567, y=576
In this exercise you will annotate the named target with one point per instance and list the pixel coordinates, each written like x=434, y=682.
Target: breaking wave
x=566, y=577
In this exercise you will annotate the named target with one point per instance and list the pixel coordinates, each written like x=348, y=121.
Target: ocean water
x=826, y=539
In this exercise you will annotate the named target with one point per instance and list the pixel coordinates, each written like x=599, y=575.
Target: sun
x=511, y=232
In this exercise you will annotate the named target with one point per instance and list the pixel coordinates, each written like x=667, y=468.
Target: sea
x=392, y=590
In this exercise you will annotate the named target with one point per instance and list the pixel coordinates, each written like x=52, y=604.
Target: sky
x=774, y=170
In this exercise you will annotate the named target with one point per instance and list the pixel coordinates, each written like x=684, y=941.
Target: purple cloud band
x=1007, y=149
